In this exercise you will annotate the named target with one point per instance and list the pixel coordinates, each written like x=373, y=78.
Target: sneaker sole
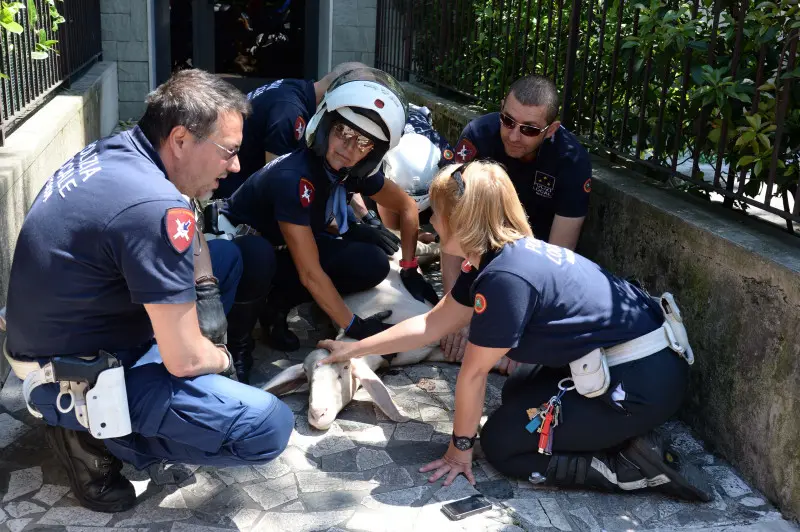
x=686, y=480
x=119, y=506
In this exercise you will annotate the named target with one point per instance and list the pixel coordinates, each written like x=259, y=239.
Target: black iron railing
x=33, y=81
x=705, y=91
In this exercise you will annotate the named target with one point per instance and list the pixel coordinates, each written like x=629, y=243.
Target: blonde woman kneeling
x=540, y=304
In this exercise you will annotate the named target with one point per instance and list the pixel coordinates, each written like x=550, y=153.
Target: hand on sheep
x=451, y=464
x=454, y=345
x=417, y=286
x=361, y=328
x=340, y=351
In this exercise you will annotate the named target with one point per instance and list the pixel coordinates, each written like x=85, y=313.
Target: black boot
x=241, y=320
x=644, y=462
x=276, y=333
x=94, y=473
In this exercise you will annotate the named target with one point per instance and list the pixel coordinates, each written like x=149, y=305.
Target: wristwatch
x=462, y=443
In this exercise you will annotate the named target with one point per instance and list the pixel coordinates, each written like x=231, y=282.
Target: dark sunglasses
x=526, y=129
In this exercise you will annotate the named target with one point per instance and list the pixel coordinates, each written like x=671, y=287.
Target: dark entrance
x=249, y=42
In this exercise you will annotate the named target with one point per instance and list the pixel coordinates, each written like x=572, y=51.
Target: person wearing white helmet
x=299, y=203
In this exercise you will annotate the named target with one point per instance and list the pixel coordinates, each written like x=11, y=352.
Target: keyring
x=564, y=388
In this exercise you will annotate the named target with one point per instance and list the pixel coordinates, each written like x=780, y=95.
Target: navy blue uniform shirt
x=556, y=182
x=107, y=234
x=293, y=188
x=281, y=111
x=550, y=305
x=420, y=122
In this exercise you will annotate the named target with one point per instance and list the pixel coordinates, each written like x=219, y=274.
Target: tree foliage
x=10, y=12
x=665, y=81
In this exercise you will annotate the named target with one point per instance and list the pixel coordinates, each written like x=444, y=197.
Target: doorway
x=250, y=43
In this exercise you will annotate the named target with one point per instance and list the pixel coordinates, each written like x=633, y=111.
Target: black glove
x=230, y=370
x=380, y=236
x=210, y=313
x=417, y=286
x=364, y=328
x=371, y=218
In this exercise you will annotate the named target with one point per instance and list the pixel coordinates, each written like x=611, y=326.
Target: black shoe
x=644, y=463
x=94, y=473
x=241, y=320
x=275, y=330
x=665, y=471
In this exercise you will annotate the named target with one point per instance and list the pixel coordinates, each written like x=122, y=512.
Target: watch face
x=463, y=444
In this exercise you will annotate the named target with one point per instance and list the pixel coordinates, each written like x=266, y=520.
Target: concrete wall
x=737, y=282
x=354, y=31
x=125, y=33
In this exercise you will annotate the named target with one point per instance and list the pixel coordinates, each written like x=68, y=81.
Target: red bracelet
x=413, y=263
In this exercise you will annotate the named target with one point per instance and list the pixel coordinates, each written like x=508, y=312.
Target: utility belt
x=95, y=386
x=590, y=373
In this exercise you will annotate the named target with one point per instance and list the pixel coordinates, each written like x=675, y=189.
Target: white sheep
x=332, y=386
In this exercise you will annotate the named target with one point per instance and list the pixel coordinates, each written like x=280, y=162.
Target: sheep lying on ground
x=333, y=386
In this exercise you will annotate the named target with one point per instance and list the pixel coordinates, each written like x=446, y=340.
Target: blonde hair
x=487, y=215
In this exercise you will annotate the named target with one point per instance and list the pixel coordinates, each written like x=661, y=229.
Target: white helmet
x=368, y=100
x=413, y=165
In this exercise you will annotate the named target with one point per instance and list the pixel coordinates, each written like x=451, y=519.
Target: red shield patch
x=465, y=151
x=299, y=128
x=179, y=228
x=480, y=304
x=466, y=267
x=587, y=186
x=306, y=191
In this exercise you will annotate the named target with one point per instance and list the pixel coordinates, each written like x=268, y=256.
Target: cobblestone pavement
x=361, y=475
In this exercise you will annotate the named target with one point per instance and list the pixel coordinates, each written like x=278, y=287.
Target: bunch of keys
x=547, y=417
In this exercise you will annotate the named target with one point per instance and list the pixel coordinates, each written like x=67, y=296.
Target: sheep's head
x=332, y=387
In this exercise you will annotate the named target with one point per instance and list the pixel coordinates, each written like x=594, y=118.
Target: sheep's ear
x=377, y=390
x=287, y=381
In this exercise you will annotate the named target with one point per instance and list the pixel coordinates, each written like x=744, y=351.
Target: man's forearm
x=359, y=207
x=205, y=359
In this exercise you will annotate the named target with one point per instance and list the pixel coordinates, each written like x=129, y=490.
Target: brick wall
x=124, y=31
x=354, y=31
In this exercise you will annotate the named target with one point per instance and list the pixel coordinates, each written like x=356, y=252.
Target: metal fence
x=33, y=81
x=704, y=90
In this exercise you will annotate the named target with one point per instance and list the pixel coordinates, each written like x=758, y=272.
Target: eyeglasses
x=526, y=129
x=230, y=154
x=346, y=133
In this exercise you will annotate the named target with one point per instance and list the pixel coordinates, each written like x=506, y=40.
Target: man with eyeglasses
x=111, y=287
x=299, y=203
x=550, y=169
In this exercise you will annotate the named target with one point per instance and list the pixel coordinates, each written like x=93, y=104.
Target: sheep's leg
x=377, y=390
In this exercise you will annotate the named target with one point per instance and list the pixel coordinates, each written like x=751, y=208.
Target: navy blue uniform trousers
x=205, y=420
x=654, y=388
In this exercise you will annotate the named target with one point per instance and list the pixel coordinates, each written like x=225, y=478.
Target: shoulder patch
x=465, y=151
x=466, y=267
x=480, y=304
x=306, y=192
x=587, y=186
x=179, y=228
x=448, y=155
x=299, y=127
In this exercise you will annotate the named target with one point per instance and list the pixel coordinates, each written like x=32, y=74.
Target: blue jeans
x=205, y=420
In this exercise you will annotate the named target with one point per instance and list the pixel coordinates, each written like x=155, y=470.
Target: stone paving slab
x=360, y=475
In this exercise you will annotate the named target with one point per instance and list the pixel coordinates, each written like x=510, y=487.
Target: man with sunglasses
x=550, y=170
x=108, y=272
x=299, y=203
